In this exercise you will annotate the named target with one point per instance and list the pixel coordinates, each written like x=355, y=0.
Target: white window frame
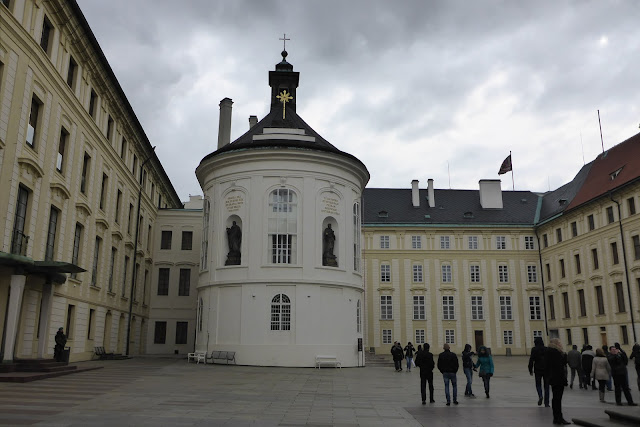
x=535, y=310
x=282, y=226
x=386, y=336
x=419, y=309
x=386, y=307
x=281, y=313
x=472, y=242
x=449, y=336
x=416, y=242
x=501, y=242
x=448, y=308
x=357, y=230
x=506, y=309
x=503, y=273
x=507, y=337
x=477, y=307
x=445, y=242
x=532, y=274
x=446, y=273
x=537, y=334
x=384, y=242
x=474, y=273
x=385, y=273
x=420, y=336
x=528, y=242
x=417, y=273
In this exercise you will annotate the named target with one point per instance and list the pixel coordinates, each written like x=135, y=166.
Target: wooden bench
x=228, y=356
x=198, y=356
x=327, y=360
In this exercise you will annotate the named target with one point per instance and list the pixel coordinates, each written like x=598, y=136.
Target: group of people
x=605, y=365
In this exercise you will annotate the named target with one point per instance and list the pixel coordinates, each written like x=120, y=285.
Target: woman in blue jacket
x=485, y=362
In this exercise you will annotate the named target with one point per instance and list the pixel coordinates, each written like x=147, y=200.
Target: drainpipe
x=626, y=268
x=544, y=298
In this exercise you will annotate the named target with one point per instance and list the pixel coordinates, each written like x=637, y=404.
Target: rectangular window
x=124, y=276
x=71, y=321
x=165, y=241
x=548, y=267
x=62, y=145
x=532, y=274
x=582, y=302
x=507, y=337
x=416, y=242
x=610, y=217
x=385, y=273
x=574, y=229
x=503, y=274
x=71, y=72
x=51, y=234
x=474, y=273
x=599, y=299
x=418, y=307
x=449, y=336
x=19, y=240
x=386, y=307
x=545, y=240
x=569, y=338
x=501, y=242
x=592, y=222
x=118, y=203
x=103, y=191
x=32, y=128
x=417, y=273
x=477, y=308
x=185, y=282
x=109, y=128
x=281, y=248
x=420, y=336
x=448, y=308
x=46, y=37
x=445, y=242
x=576, y=257
x=552, y=308
x=528, y=242
x=594, y=256
x=620, y=297
x=181, y=332
x=636, y=247
x=446, y=273
x=559, y=235
x=563, y=273
x=384, y=242
x=123, y=149
x=96, y=262
x=160, y=333
x=77, y=239
x=112, y=264
x=473, y=242
x=614, y=253
x=585, y=335
x=631, y=204
x=86, y=163
x=90, y=324
x=625, y=334
x=505, y=308
x=134, y=166
x=149, y=238
x=565, y=302
x=537, y=334
x=140, y=230
x=187, y=240
x=93, y=99
x=163, y=281
x=386, y=336
x=534, y=308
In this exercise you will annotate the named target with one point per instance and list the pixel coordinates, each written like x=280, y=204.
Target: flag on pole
x=506, y=165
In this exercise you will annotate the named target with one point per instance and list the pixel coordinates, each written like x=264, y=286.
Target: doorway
x=479, y=339
x=603, y=335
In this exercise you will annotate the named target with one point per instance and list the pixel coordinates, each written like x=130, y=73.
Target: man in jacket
x=574, y=359
x=618, y=361
x=448, y=365
x=398, y=356
x=536, y=367
x=467, y=367
x=587, y=361
x=635, y=354
x=424, y=361
x=555, y=369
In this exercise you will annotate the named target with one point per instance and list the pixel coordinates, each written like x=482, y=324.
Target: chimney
x=253, y=120
x=224, y=124
x=415, y=194
x=490, y=194
x=430, y=194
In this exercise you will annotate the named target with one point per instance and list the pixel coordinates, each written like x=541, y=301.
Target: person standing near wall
x=424, y=361
x=448, y=365
x=555, y=369
x=467, y=367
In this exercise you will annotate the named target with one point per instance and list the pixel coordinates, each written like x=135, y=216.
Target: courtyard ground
x=147, y=391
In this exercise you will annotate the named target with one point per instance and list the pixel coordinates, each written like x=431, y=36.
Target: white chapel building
x=282, y=277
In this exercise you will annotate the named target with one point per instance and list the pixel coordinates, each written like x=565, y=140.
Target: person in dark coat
x=536, y=367
x=448, y=365
x=575, y=364
x=398, y=356
x=424, y=361
x=587, y=362
x=408, y=354
x=61, y=341
x=618, y=361
x=610, y=381
x=467, y=367
x=555, y=369
x=635, y=354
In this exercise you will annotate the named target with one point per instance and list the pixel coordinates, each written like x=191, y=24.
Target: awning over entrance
x=53, y=270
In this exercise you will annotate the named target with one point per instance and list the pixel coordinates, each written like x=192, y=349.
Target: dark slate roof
x=556, y=201
x=451, y=206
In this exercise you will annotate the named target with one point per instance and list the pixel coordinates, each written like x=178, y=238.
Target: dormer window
x=615, y=174
x=468, y=214
x=383, y=214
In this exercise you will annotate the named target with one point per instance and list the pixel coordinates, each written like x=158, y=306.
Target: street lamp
x=135, y=252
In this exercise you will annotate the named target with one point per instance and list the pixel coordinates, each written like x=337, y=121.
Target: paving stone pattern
x=169, y=392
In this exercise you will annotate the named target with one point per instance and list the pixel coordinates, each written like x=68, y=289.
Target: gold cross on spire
x=284, y=97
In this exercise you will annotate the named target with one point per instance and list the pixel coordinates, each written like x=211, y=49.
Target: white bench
x=198, y=356
x=327, y=360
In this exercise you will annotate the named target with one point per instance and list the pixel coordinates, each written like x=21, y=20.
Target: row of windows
x=472, y=242
x=624, y=334
x=184, y=281
x=591, y=222
x=160, y=332
x=446, y=273
x=167, y=237
x=449, y=336
x=619, y=296
x=449, y=312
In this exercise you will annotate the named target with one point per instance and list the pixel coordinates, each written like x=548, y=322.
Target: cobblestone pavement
x=167, y=392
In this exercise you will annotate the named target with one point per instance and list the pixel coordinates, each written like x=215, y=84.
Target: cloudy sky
x=415, y=89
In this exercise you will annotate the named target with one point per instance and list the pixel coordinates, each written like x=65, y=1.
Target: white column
x=45, y=313
x=13, y=315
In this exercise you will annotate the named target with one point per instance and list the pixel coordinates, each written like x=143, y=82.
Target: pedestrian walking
x=408, y=354
x=485, y=367
x=536, y=367
x=574, y=358
x=618, y=361
x=610, y=380
x=600, y=371
x=448, y=365
x=587, y=362
x=467, y=368
x=555, y=365
x=424, y=361
x=398, y=355
x=635, y=354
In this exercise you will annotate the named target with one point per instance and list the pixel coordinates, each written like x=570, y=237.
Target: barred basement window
x=280, y=313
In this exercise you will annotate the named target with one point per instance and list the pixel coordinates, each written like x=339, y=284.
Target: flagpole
x=512, y=181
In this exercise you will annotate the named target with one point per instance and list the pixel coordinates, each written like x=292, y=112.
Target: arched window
x=358, y=318
x=281, y=313
x=357, y=226
x=283, y=226
x=199, y=314
x=205, y=235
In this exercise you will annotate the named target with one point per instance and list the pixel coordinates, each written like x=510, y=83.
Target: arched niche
x=233, y=240
x=330, y=245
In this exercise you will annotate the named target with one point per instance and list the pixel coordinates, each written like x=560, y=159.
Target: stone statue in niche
x=328, y=243
x=234, y=237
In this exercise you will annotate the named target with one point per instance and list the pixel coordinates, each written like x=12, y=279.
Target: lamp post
x=135, y=253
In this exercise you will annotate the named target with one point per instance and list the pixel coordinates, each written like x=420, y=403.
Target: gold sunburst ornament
x=284, y=97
